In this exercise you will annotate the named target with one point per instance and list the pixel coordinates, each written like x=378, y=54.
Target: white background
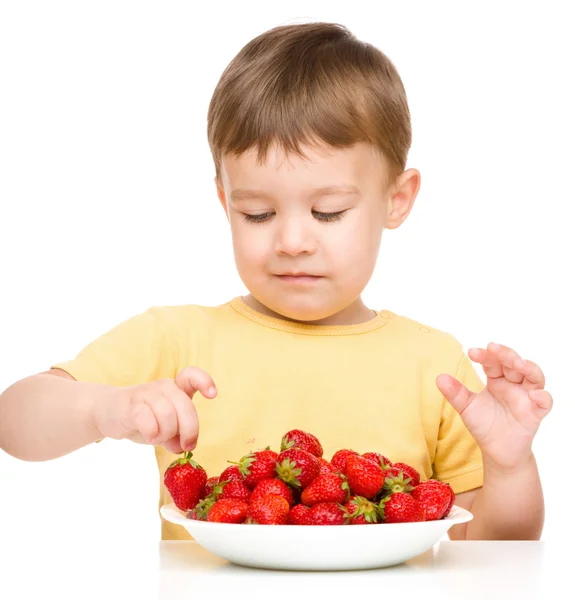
x=108, y=205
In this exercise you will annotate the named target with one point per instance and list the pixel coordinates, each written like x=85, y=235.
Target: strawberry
x=378, y=459
x=400, y=507
x=297, y=467
x=365, y=478
x=296, y=438
x=451, y=502
x=451, y=493
x=202, y=508
x=435, y=498
x=395, y=481
x=268, y=510
x=326, y=513
x=209, y=487
x=326, y=488
x=361, y=511
x=257, y=466
x=272, y=486
x=298, y=515
x=185, y=480
x=232, y=473
x=408, y=472
x=325, y=467
x=228, y=510
x=339, y=459
x=233, y=489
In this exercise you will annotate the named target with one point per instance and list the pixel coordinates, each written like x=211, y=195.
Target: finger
x=506, y=357
x=188, y=423
x=509, y=359
x=492, y=366
x=454, y=392
x=534, y=378
x=166, y=417
x=542, y=398
x=173, y=445
x=145, y=422
x=191, y=379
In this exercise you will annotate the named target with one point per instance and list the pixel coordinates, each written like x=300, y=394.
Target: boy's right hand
x=160, y=413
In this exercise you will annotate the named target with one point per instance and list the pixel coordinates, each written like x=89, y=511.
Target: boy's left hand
x=504, y=417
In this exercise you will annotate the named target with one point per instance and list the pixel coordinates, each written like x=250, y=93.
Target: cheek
x=250, y=247
x=360, y=249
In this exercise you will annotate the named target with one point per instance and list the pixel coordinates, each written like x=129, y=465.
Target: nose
x=294, y=237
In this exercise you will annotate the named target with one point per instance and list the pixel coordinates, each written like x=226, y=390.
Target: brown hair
x=307, y=84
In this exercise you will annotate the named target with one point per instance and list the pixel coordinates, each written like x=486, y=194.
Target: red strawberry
x=185, y=480
x=401, y=508
x=395, y=481
x=451, y=492
x=298, y=515
x=209, y=487
x=339, y=459
x=233, y=489
x=232, y=473
x=409, y=472
x=378, y=459
x=202, y=508
x=268, y=510
x=272, y=486
x=326, y=488
x=326, y=513
x=257, y=466
x=296, y=438
x=297, y=467
x=451, y=502
x=325, y=467
x=365, y=478
x=361, y=511
x=435, y=498
x=228, y=510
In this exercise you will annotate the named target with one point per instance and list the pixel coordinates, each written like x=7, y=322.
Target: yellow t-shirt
x=368, y=387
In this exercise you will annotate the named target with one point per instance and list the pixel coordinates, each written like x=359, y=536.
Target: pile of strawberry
x=297, y=486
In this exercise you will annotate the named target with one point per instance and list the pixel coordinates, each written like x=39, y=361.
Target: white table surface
x=178, y=570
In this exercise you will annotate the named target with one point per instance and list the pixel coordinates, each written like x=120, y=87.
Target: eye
x=320, y=216
x=258, y=218
x=335, y=216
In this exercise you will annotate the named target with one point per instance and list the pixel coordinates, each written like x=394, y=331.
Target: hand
x=504, y=417
x=158, y=413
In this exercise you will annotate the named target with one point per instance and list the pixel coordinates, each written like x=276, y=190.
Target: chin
x=303, y=311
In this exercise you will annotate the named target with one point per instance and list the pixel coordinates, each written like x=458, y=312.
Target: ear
x=221, y=195
x=402, y=197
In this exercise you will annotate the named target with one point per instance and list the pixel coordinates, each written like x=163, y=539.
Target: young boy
x=309, y=130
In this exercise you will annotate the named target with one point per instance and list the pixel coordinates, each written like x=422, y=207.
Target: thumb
x=191, y=379
x=454, y=392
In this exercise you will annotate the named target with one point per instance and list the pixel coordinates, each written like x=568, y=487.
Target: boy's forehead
x=322, y=167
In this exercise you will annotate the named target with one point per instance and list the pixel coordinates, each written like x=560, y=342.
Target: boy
x=309, y=130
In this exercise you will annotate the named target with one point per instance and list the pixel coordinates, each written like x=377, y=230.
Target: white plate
x=316, y=548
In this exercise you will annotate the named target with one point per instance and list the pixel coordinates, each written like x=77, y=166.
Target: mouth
x=298, y=277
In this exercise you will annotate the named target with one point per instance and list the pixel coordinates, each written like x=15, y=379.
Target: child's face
x=323, y=217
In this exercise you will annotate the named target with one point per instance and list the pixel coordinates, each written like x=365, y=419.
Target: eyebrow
x=330, y=190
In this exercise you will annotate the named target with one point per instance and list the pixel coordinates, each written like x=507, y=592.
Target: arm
x=46, y=416
x=50, y=414
x=509, y=506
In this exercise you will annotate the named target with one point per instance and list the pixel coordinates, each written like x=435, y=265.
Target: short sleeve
x=458, y=459
x=135, y=351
